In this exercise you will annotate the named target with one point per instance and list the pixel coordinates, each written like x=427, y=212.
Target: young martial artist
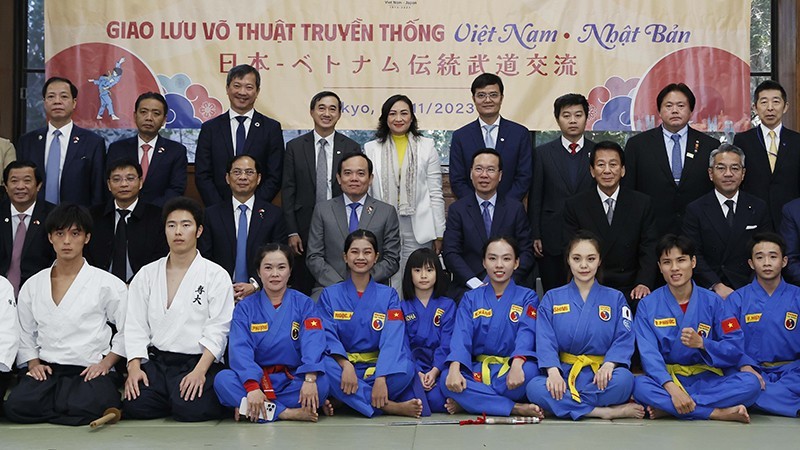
x=430, y=317
x=767, y=310
x=178, y=315
x=370, y=368
x=491, y=352
x=584, y=334
x=9, y=335
x=691, y=344
x=276, y=350
x=65, y=338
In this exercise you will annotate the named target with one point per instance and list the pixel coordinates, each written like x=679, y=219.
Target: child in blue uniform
x=583, y=333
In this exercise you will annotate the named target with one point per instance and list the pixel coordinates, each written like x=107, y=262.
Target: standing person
x=65, y=339
x=104, y=84
x=583, y=333
x=510, y=139
x=277, y=347
x=408, y=176
x=691, y=344
x=240, y=131
x=768, y=309
x=369, y=367
x=430, y=317
x=176, y=328
x=312, y=160
x=492, y=349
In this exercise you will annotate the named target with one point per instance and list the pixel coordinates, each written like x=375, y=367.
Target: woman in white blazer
x=408, y=176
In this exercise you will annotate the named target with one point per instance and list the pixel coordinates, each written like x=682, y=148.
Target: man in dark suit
x=23, y=255
x=128, y=232
x=234, y=230
x=790, y=230
x=721, y=223
x=472, y=220
x=511, y=140
x=301, y=166
x=772, y=152
x=73, y=158
x=669, y=162
x=240, y=131
x=560, y=170
x=163, y=161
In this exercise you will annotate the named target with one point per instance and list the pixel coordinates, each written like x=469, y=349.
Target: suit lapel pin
x=6, y=219
x=370, y=209
x=257, y=124
x=75, y=140
x=502, y=139
x=160, y=149
x=36, y=222
x=261, y=213
x=41, y=137
x=338, y=152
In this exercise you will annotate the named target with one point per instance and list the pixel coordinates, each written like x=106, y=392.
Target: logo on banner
x=668, y=322
x=377, y=321
x=791, y=321
x=604, y=312
x=437, y=317
x=515, y=312
x=703, y=330
x=295, y=330
x=561, y=309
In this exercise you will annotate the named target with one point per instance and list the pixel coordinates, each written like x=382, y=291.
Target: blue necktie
x=240, y=271
x=240, y=135
x=677, y=167
x=53, y=170
x=489, y=140
x=487, y=219
x=353, y=217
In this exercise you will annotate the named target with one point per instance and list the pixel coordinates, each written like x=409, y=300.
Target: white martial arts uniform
x=9, y=327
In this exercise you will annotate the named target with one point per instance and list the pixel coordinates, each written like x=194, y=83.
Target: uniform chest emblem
x=295, y=330
x=790, y=321
x=703, y=330
x=514, y=313
x=604, y=312
x=378, y=320
x=437, y=317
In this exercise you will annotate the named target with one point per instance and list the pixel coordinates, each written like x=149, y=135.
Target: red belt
x=266, y=383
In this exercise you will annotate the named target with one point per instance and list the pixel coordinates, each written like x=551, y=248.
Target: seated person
x=9, y=335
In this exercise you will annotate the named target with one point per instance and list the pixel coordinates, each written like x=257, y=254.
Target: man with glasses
x=721, y=223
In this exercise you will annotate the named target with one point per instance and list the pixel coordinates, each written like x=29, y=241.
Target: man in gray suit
x=334, y=219
x=313, y=155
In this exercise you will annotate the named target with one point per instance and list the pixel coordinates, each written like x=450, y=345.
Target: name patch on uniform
x=515, y=312
x=410, y=317
x=342, y=315
x=668, y=322
x=604, y=312
x=703, y=329
x=561, y=309
x=295, y=330
x=482, y=313
x=259, y=327
x=790, y=321
x=377, y=321
x=437, y=317
x=752, y=318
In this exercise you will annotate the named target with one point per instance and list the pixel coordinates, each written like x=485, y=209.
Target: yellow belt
x=776, y=363
x=676, y=369
x=578, y=363
x=369, y=358
x=486, y=371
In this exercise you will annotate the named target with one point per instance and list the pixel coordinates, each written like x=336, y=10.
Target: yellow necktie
x=772, y=154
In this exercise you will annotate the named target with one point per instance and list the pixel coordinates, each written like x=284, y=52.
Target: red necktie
x=145, y=163
x=573, y=147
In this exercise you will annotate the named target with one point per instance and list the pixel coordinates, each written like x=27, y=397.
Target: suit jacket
x=513, y=144
x=166, y=175
x=37, y=252
x=7, y=154
x=551, y=188
x=776, y=188
x=83, y=176
x=722, y=250
x=218, y=241
x=647, y=170
x=628, y=245
x=465, y=236
x=298, y=194
x=329, y=230
x=790, y=230
x=145, y=232
x=215, y=148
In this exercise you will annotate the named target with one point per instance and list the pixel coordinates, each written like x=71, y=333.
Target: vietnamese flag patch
x=729, y=325
x=313, y=323
x=395, y=314
x=531, y=312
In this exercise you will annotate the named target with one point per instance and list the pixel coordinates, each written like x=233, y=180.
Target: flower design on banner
x=610, y=105
x=189, y=103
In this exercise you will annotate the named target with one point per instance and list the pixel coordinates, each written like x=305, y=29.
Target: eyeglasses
x=488, y=170
x=120, y=179
x=722, y=168
x=240, y=172
x=491, y=95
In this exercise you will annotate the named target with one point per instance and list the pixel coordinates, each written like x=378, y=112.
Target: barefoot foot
x=452, y=406
x=236, y=414
x=299, y=414
x=527, y=410
x=327, y=408
x=656, y=413
x=408, y=408
x=624, y=411
x=736, y=413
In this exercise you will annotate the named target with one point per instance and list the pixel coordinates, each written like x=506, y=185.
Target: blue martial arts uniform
x=428, y=330
x=658, y=324
x=772, y=343
x=370, y=332
x=568, y=327
x=104, y=84
x=283, y=344
x=497, y=328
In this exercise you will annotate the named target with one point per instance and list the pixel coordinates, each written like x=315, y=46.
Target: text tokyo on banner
x=617, y=53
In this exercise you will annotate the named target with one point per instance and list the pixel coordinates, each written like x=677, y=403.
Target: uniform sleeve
x=332, y=341
x=28, y=330
x=734, y=305
x=394, y=351
x=448, y=322
x=116, y=302
x=621, y=348
x=546, y=339
x=652, y=360
x=461, y=341
x=137, y=326
x=525, y=342
x=312, y=338
x=220, y=311
x=728, y=348
x=242, y=352
x=9, y=326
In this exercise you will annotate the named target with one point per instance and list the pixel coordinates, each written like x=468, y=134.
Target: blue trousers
x=494, y=399
x=617, y=392
x=361, y=400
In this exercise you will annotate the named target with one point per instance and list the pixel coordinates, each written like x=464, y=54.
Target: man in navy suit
x=511, y=140
x=163, y=161
x=240, y=131
x=472, y=220
x=669, y=163
x=721, y=223
x=560, y=170
x=128, y=232
x=73, y=158
x=225, y=242
x=790, y=230
x=23, y=180
x=772, y=152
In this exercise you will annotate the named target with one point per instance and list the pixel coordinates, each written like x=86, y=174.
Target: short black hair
x=607, y=145
x=354, y=155
x=570, y=100
x=767, y=85
x=766, y=236
x=229, y=166
x=154, y=96
x=486, y=79
x=273, y=247
x=320, y=95
x=361, y=233
x=676, y=87
x=122, y=163
x=670, y=241
x=488, y=151
x=240, y=71
x=72, y=88
x=66, y=215
x=17, y=164
x=510, y=240
x=421, y=258
x=383, y=131
x=183, y=204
